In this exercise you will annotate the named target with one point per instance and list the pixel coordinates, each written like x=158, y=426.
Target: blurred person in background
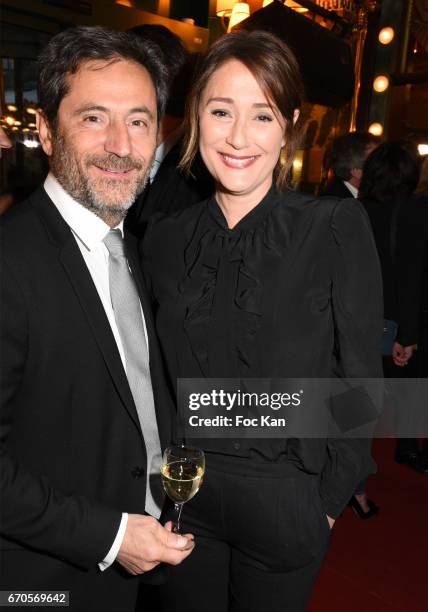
x=6, y=199
x=399, y=221
x=422, y=188
x=169, y=188
x=348, y=155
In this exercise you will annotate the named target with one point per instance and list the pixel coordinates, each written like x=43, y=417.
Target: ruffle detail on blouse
x=209, y=244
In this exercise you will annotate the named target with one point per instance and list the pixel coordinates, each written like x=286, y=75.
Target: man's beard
x=101, y=195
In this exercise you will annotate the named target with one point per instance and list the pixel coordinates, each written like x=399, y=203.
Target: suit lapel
x=80, y=279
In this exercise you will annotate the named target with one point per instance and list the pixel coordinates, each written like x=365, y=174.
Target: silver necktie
x=129, y=320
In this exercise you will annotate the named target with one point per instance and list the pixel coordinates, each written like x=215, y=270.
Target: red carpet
x=380, y=565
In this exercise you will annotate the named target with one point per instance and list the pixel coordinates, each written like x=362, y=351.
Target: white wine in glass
x=182, y=475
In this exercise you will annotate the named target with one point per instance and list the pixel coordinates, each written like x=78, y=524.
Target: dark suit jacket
x=171, y=190
x=338, y=189
x=72, y=451
x=400, y=229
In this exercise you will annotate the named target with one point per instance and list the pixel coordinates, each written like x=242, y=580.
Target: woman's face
x=240, y=135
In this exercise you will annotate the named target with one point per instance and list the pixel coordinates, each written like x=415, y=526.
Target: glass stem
x=176, y=526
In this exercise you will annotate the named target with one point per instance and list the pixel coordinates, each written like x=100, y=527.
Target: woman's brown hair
x=275, y=69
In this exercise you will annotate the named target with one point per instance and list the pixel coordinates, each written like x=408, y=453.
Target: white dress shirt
x=89, y=232
x=352, y=189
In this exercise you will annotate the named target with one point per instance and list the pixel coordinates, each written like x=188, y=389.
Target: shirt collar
x=352, y=189
x=86, y=225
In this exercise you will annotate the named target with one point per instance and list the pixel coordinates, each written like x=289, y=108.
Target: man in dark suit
x=169, y=188
x=84, y=411
x=348, y=155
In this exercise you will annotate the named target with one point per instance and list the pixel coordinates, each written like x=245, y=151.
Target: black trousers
x=261, y=536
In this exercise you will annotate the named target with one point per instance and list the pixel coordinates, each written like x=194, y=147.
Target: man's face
x=102, y=145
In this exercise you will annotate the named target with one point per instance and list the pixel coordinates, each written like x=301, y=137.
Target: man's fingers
x=174, y=557
x=147, y=543
x=179, y=542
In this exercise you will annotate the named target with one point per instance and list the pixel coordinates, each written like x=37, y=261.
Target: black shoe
x=405, y=458
x=420, y=464
x=356, y=507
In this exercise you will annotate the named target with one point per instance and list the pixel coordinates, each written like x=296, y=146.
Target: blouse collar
x=251, y=219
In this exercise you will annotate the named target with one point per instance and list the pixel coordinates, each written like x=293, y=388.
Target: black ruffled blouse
x=293, y=287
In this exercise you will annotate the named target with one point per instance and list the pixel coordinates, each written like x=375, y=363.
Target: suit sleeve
x=358, y=320
x=409, y=266
x=33, y=512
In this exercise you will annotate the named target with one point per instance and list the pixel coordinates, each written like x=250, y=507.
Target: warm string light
x=386, y=35
x=376, y=129
x=25, y=125
x=381, y=83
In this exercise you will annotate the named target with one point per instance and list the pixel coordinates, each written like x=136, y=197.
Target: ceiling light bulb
x=381, y=83
x=376, y=129
x=386, y=35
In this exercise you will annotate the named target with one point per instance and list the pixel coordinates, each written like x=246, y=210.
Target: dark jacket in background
x=338, y=189
x=170, y=191
x=400, y=229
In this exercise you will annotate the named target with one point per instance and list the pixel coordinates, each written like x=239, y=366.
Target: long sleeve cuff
x=112, y=553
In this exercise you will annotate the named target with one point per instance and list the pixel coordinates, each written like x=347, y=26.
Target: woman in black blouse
x=261, y=282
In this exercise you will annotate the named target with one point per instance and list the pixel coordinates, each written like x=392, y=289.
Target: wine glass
x=182, y=475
